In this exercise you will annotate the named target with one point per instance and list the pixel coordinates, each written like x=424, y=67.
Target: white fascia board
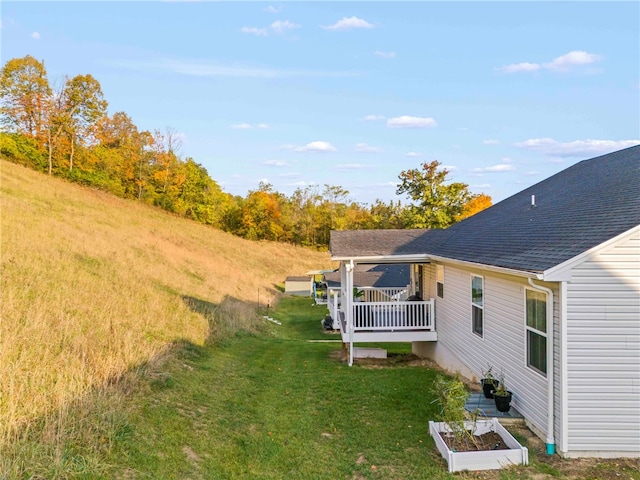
x=424, y=258
x=384, y=259
x=491, y=268
x=562, y=271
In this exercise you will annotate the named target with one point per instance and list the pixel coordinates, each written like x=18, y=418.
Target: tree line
x=65, y=130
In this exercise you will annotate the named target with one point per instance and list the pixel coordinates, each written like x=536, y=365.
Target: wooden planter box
x=485, y=459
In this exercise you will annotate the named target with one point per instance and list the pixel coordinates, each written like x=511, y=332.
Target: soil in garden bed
x=486, y=441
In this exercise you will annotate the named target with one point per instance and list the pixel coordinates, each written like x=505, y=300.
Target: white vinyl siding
x=502, y=345
x=603, y=350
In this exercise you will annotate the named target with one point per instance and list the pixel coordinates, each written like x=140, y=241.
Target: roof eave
x=562, y=271
x=423, y=258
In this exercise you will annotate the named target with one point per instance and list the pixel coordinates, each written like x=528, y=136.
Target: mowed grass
x=95, y=292
x=276, y=406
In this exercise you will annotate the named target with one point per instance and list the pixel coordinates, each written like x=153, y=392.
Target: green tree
x=437, y=204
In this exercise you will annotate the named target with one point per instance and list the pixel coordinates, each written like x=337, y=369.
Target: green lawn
x=276, y=406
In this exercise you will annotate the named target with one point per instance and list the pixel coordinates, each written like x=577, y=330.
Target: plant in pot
x=502, y=396
x=489, y=382
x=357, y=294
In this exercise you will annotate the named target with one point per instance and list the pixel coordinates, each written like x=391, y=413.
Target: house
x=544, y=286
x=299, y=285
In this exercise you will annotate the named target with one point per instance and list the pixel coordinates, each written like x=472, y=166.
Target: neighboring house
x=379, y=276
x=300, y=285
x=543, y=286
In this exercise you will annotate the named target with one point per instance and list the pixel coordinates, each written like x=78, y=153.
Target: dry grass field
x=94, y=287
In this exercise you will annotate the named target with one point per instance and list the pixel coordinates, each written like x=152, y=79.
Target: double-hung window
x=477, y=305
x=536, y=330
x=440, y=280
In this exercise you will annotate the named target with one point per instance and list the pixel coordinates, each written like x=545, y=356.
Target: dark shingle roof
x=392, y=275
x=575, y=210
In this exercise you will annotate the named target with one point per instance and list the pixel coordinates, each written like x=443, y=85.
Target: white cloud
x=451, y=168
x=279, y=27
x=35, y=35
x=562, y=63
x=351, y=166
x=381, y=54
x=263, y=32
x=482, y=185
x=501, y=167
x=205, y=68
x=373, y=118
x=272, y=9
x=577, y=148
x=275, y=163
x=531, y=173
x=248, y=126
x=406, y=121
x=317, y=146
x=364, y=148
x=413, y=154
x=348, y=23
x=566, y=61
x=521, y=67
x=491, y=142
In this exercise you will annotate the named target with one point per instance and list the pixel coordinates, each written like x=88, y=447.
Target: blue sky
x=504, y=94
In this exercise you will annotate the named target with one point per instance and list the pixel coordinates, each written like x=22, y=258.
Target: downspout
x=550, y=413
x=349, y=298
x=564, y=375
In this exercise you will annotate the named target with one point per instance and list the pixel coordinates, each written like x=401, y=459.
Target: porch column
x=348, y=302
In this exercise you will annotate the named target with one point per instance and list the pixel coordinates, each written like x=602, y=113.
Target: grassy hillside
x=94, y=286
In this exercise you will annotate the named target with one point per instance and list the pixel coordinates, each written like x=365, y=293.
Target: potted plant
x=466, y=441
x=502, y=396
x=489, y=382
x=357, y=294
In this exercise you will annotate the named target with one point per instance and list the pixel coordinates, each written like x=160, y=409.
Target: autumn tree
x=25, y=93
x=261, y=217
x=476, y=204
x=83, y=105
x=121, y=153
x=437, y=203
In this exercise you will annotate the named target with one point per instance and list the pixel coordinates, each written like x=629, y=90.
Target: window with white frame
x=477, y=305
x=536, y=330
x=440, y=280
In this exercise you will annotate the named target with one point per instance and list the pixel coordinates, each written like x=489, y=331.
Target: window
x=418, y=273
x=440, y=280
x=477, y=305
x=536, y=330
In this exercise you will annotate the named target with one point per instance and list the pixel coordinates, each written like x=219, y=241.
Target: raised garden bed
x=501, y=449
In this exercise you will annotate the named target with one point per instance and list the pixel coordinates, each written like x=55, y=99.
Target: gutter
x=550, y=412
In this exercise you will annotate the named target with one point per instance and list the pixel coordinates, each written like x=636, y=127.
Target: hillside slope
x=94, y=286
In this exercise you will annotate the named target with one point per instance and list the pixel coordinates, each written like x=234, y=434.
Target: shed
x=299, y=285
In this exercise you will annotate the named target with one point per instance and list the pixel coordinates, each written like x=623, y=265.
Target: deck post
x=349, y=307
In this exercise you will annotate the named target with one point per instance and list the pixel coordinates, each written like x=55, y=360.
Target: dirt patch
x=486, y=441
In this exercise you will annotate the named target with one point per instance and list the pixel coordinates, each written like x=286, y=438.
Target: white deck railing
x=397, y=315
x=386, y=294
x=381, y=316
